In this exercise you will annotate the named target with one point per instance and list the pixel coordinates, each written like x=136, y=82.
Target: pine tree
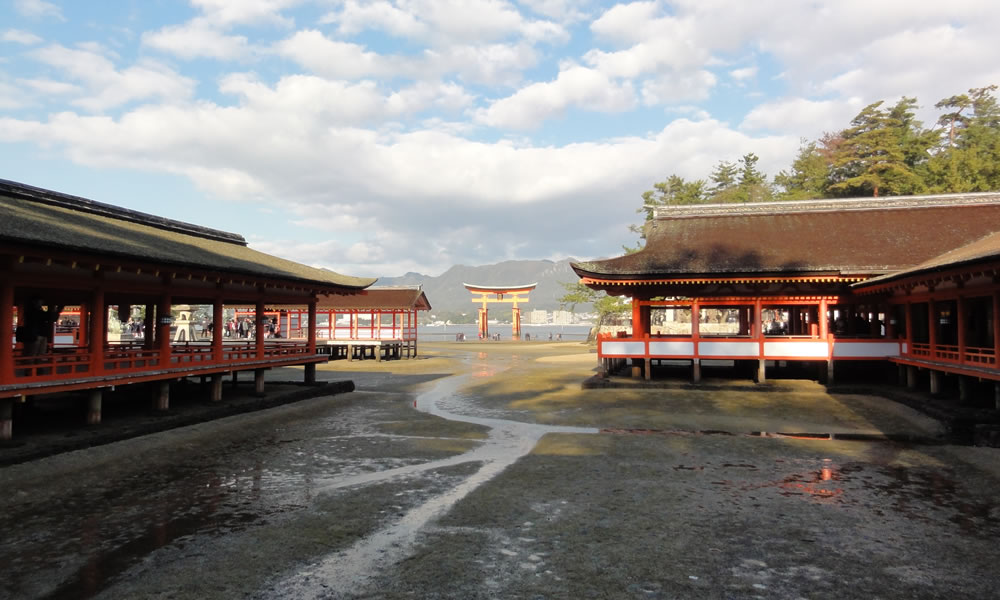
x=808, y=177
x=724, y=183
x=873, y=156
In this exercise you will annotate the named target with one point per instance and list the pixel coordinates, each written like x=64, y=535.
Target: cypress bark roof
x=985, y=249
x=375, y=298
x=38, y=217
x=868, y=236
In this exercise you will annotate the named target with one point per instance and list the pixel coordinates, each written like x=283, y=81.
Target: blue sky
x=386, y=136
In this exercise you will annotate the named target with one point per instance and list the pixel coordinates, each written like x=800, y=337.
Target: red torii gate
x=491, y=294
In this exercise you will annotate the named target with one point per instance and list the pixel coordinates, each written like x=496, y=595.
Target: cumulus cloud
x=20, y=37
x=106, y=86
x=575, y=86
x=197, y=40
x=38, y=9
x=226, y=13
x=803, y=117
x=332, y=58
x=742, y=75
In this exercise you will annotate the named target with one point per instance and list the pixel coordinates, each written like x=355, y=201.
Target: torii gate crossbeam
x=492, y=294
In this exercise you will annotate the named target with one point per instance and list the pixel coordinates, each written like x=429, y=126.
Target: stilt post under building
x=258, y=382
x=7, y=418
x=161, y=395
x=94, y=402
x=216, y=390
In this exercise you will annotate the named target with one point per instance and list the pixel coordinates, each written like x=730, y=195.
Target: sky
x=380, y=137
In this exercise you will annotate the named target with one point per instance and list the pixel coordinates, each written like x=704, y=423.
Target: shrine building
x=378, y=322
x=908, y=281
x=104, y=266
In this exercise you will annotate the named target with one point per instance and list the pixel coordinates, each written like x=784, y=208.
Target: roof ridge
x=826, y=205
x=78, y=203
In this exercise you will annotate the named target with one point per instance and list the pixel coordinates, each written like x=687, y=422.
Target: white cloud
x=20, y=37
x=355, y=17
x=195, y=40
x=331, y=58
x=678, y=87
x=226, y=13
x=575, y=86
x=108, y=87
x=442, y=23
x=49, y=87
x=38, y=9
x=563, y=11
x=741, y=75
x=802, y=117
x=12, y=97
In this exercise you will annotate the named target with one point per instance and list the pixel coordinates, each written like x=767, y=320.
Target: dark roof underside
x=34, y=222
x=850, y=241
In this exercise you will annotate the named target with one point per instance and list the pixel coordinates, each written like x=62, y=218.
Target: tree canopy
x=884, y=150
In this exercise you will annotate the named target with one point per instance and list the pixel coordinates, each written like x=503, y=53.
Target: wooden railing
x=980, y=356
x=76, y=362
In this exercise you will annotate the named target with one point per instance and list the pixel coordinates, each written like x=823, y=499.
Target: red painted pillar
x=824, y=321
x=996, y=333
x=311, y=331
x=98, y=331
x=960, y=315
x=6, y=331
x=259, y=328
x=908, y=315
x=636, y=318
x=218, y=329
x=932, y=326
x=163, y=320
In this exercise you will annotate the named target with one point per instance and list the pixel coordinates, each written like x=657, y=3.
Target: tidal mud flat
x=485, y=471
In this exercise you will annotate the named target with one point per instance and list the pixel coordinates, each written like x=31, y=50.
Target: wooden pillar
x=310, y=373
x=695, y=370
x=215, y=395
x=81, y=332
x=935, y=382
x=636, y=319
x=7, y=418
x=259, y=329
x=149, y=327
x=163, y=330
x=6, y=333
x=218, y=332
x=932, y=324
x=908, y=326
x=161, y=395
x=94, y=405
x=759, y=336
x=996, y=395
x=98, y=333
x=413, y=321
x=258, y=382
x=996, y=330
x=824, y=320
x=964, y=389
x=911, y=377
x=961, y=314
x=311, y=331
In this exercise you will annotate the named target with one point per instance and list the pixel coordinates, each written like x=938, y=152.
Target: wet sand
x=485, y=471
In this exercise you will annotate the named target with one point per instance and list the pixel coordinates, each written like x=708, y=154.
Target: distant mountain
x=447, y=293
